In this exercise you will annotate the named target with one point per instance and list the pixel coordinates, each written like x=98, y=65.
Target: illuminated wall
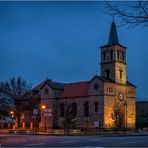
x=127, y=103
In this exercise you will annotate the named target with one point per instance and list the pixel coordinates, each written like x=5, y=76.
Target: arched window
x=111, y=55
x=74, y=109
x=121, y=73
x=86, y=109
x=96, y=87
x=62, y=110
x=107, y=73
x=123, y=56
x=46, y=91
x=104, y=55
x=118, y=56
x=96, y=106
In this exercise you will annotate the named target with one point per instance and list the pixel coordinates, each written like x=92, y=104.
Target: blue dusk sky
x=61, y=40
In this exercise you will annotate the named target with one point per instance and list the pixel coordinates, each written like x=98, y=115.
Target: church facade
x=93, y=101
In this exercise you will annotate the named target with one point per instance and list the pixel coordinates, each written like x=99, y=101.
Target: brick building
x=92, y=100
x=142, y=109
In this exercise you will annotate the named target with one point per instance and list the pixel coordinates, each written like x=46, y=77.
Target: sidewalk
x=4, y=131
x=127, y=133
x=141, y=133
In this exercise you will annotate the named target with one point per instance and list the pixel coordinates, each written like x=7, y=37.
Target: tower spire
x=113, y=36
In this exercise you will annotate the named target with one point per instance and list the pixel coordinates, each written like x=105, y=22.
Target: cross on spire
x=113, y=16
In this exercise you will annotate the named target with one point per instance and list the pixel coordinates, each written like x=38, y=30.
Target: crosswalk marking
x=34, y=144
x=128, y=142
x=95, y=139
x=68, y=141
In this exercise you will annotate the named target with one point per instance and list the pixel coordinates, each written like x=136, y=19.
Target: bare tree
x=132, y=13
x=69, y=118
x=5, y=104
x=14, y=88
x=118, y=117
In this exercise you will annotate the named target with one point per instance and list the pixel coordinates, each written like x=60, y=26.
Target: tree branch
x=137, y=13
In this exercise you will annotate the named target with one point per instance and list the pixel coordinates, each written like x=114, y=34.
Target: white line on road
x=34, y=144
x=95, y=139
x=68, y=141
x=92, y=146
x=132, y=142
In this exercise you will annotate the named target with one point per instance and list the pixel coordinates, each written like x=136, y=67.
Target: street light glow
x=11, y=112
x=43, y=106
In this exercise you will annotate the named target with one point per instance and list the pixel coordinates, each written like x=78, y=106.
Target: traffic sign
x=47, y=110
x=35, y=111
x=47, y=114
x=96, y=124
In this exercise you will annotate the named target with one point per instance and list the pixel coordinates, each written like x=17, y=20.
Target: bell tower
x=113, y=58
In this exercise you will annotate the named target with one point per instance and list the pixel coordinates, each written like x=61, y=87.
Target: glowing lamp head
x=11, y=112
x=43, y=106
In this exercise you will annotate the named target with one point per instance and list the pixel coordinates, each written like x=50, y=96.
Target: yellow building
x=93, y=101
x=118, y=91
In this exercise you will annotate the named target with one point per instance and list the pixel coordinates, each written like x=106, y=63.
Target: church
x=93, y=101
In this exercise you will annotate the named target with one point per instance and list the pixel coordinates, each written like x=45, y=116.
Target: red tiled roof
x=40, y=85
x=78, y=89
x=30, y=94
x=55, y=85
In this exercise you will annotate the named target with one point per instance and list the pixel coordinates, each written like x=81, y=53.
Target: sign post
x=35, y=112
x=96, y=125
x=47, y=113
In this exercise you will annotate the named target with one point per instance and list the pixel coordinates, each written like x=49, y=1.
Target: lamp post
x=43, y=107
x=125, y=116
x=12, y=116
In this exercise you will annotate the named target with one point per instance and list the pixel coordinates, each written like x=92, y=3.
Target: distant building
x=142, y=108
x=142, y=114
x=92, y=101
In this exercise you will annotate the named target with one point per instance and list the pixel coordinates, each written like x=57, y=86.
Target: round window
x=96, y=87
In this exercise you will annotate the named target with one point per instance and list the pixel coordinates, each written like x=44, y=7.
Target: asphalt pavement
x=8, y=140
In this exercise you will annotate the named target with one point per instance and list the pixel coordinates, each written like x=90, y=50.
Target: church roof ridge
x=76, y=82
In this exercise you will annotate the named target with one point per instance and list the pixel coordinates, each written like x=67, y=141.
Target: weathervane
x=113, y=16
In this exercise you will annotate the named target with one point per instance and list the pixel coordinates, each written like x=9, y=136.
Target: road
x=7, y=140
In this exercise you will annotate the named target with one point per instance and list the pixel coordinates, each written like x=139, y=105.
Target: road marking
x=132, y=142
x=68, y=141
x=92, y=146
x=95, y=139
x=34, y=144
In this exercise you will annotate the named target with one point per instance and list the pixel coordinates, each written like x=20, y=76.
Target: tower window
x=104, y=55
x=108, y=73
x=118, y=55
x=123, y=56
x=86, y=109
x=111, y=55
x=121, y=74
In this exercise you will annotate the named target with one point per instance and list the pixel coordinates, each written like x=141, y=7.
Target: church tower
x=113, y=58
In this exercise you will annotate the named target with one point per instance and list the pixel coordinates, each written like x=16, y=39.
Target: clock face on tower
x=121, y=96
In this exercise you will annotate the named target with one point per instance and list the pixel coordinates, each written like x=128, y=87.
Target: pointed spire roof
x=113, y=36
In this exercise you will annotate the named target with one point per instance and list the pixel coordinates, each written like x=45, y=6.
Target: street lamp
x=12, y=116
x=125, y=116
x=43, y=107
